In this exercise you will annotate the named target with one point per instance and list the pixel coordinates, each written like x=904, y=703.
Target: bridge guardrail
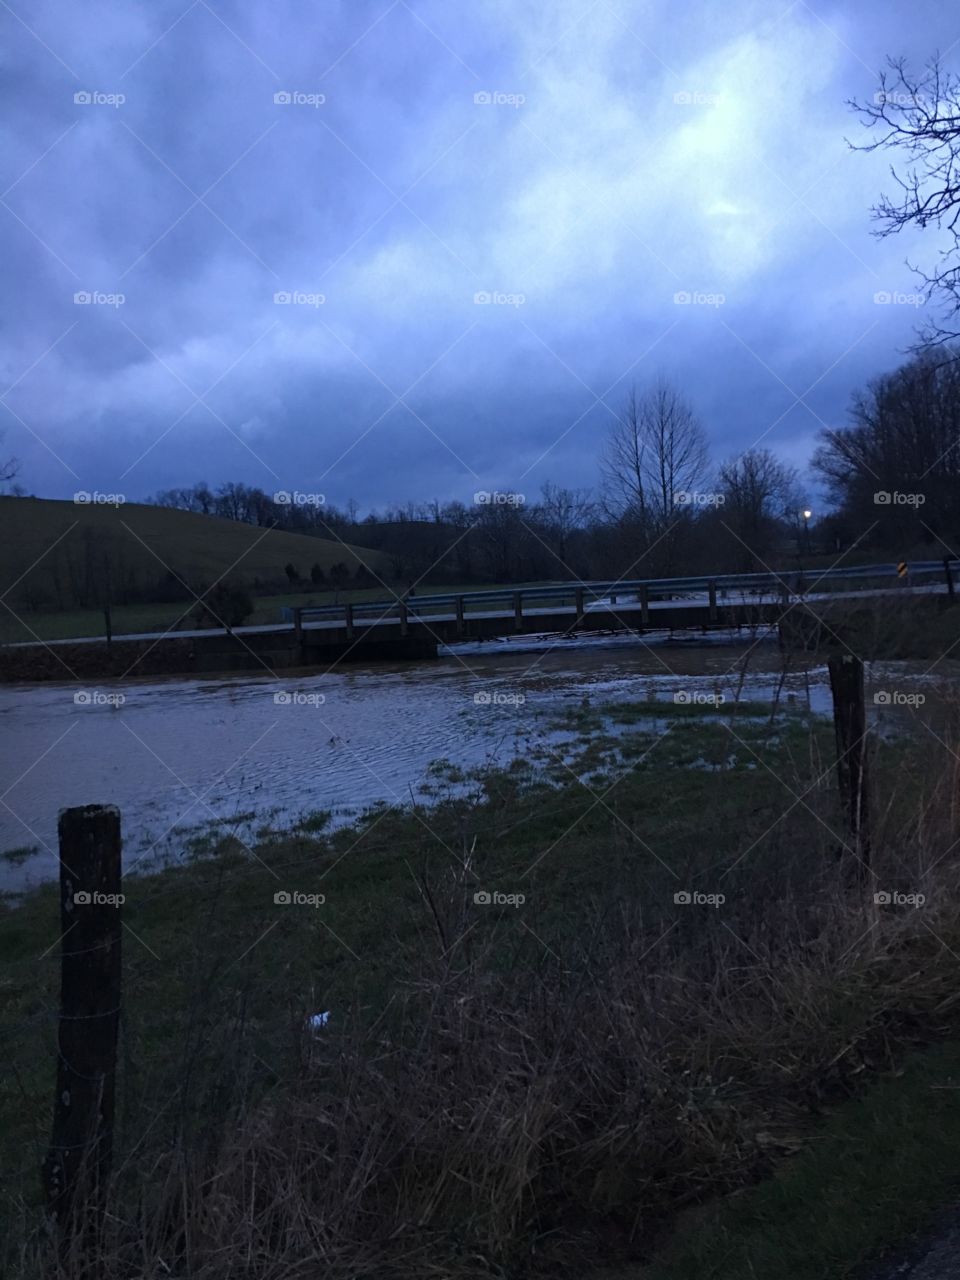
x=790, y=581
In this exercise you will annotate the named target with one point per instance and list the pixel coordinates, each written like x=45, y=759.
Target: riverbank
x=564, y=1000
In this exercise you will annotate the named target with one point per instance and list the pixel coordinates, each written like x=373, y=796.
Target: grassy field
x=876, y=1170
x=46, y=545
x=67, y=624
x=525, y=1087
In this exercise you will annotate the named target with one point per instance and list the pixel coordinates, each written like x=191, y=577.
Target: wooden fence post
x=78, y=1161
x=850, y=726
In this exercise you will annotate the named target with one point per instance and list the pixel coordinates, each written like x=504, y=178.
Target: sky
x=396, y=250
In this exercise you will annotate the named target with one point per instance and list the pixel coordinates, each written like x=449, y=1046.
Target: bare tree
x=656, y=452
x=9, y=467
x=561, y=512
x=758, y=491
x=919, y=115
x=623, y=462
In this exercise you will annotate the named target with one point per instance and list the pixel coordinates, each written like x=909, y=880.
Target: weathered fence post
x=458, y=604
x=78, y=1161
x=348, y=619
x=712, y=600
x=644, y=605
x=403, y=617
x=850, y=726
x=298, y=624
x=517, y=611
x=578, y=600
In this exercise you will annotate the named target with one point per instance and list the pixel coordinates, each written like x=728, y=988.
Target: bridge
x=415, y=624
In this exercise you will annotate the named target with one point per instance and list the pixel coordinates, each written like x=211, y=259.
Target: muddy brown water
x=176, y=755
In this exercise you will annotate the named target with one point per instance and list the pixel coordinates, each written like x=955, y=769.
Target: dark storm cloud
x=618, y=155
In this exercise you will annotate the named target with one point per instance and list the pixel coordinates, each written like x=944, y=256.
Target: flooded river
x=177, y=754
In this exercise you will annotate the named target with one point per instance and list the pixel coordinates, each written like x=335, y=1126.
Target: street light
x=807, y=513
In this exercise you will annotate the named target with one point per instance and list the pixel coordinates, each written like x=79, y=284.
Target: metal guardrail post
x=403, y=618
x=644, y=605
x=298, y=624
x=951, y=589
x=712, y=598
x=517, y=611
x=578, y=597
x=458, y=605
x=348, y=619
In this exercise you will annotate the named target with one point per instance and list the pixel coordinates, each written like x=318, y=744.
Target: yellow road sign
x=902, y=569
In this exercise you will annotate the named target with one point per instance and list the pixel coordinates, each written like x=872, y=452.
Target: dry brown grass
x=487, y=1123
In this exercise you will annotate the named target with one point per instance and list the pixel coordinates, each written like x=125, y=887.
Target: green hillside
x=58, y=556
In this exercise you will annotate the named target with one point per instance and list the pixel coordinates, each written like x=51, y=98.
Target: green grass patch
x=879, y=1168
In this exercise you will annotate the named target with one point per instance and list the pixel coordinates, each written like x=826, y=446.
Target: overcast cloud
x=621, y=152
